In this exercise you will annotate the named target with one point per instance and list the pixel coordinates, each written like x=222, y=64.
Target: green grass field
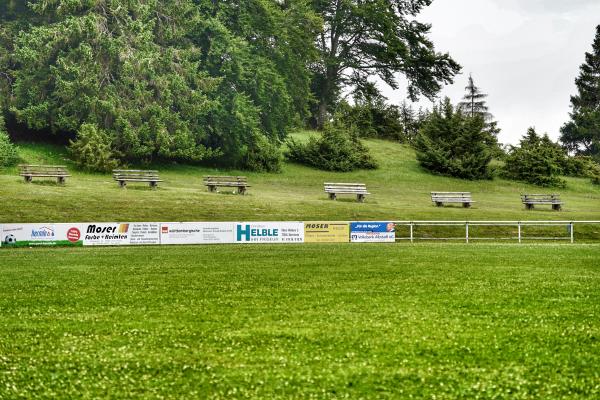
x=400, y=191
x=301, y=321
x=423, y=321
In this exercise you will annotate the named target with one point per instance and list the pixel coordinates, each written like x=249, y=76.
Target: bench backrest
x=53, y=170
x=135, y=174
x=358, y=188
x=451, y=196
x=540, y=198
x=218, y=179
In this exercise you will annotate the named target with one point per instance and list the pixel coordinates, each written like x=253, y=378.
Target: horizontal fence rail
x=518, y=225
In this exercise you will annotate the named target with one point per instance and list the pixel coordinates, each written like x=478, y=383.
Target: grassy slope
x=311, y=321
x=400, y=190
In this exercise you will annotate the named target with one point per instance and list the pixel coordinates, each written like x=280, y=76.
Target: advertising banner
x=29, y=235
x=372, y=232
x=269, y=232
x=326, y=232
x=119, y=234
x=197, y=232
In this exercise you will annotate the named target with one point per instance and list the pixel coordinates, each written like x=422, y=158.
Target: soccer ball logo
x=10, y=239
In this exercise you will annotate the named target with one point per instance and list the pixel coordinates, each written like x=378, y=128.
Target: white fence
x=518, y=225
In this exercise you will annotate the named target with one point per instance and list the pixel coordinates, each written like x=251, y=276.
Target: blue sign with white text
x=372, y=232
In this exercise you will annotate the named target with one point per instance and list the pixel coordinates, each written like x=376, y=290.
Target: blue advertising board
x=375, y=232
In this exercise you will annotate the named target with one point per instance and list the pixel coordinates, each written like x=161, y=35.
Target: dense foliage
x=8, y=152
x=452, y=143
x=217, y=82
x=337, y=149
x=176, y=79
x=371, y=114
x=362, y=39
x=582, y=133
x=537, y=160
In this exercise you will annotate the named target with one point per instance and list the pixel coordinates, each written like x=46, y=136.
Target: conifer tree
x=473, y=101
x=452, y=143
x=536, y=160
x=581, y=134
x=474, y=104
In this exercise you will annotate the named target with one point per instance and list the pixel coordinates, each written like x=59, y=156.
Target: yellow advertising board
x=326, y=232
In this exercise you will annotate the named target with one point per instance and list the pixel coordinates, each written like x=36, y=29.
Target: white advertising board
x=119, y=234
x=269, y=232
x=197, y=232
x=30, y=235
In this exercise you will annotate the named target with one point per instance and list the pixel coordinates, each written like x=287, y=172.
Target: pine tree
x=452, y=143
x=581, y=134
x=473, y=102
x=473, y=105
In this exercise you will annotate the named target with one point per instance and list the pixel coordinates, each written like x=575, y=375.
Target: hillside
x=400, y=191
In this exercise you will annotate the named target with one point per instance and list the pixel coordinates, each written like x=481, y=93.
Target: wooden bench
x=28, y=172
x=136, y=175
x=359, y=189
x=530, y=200
x=439, y=198
x=239, y=182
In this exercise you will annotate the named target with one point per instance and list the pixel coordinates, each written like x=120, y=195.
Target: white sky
x=525, y=54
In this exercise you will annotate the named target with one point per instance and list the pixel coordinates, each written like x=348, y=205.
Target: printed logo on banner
x=375, y=232
x=326, y=232
x=73, y=235
x=42, y=233
x=116, y=234
x=106, y=234
x=197, y=232
x=269, y=232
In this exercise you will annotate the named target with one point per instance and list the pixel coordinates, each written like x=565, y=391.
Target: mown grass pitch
x=444, y=321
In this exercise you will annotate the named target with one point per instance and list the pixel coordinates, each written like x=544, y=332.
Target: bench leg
x=556, y=207
x=529, y=206
x=153, y=185
x=360, y=198
x=241, y=190
x=122, y=184
x=467, y=205
x=60, y=180
x=212, y=189
x=439, y=204
x=332, y=196
x=28, y=179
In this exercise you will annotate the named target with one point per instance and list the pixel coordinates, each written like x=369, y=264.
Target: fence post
x=411, y=232
x=519, y=225
x=571, y=227
x=467, y=231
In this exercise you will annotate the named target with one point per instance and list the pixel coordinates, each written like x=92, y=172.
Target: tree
x=8, y=152
x=337, y=149
x=452, y=143
x=379, y=38
x=536, y=160
x=191, y=80
x=473, y=102
x=581, y=134
x=371, y=115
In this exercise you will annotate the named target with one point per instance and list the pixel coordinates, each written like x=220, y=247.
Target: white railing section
x=519, y=225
